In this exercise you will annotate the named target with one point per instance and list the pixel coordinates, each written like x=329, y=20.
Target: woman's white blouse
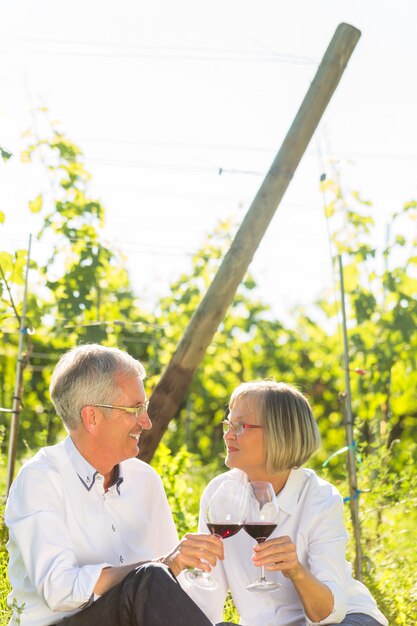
x=311, y=514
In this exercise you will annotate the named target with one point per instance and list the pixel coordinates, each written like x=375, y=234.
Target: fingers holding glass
x=261, y=520
x=225, y=514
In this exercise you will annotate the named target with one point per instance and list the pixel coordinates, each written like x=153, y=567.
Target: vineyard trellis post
x=17, y=394
x=346, y=402
x=175, y=380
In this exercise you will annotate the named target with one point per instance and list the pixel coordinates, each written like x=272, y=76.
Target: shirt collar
x=290, y=494
x=86, y=472
x=117, y=477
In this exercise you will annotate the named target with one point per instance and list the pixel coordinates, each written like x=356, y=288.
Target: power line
x=218, y=170
x=245, y=148
x=178, y=144
x=170, y=52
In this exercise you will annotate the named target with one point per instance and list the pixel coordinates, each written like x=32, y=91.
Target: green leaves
x=13, y=267
x=82, y=293
x=35, y=206
x=75, y=295
x=5, y=155
x=381, y=296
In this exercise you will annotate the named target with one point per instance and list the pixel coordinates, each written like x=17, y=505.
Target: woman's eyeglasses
x=237, y=427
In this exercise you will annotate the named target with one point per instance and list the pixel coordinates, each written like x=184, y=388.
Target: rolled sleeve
x=79, y=584
x=339, y=608
x=327, y=549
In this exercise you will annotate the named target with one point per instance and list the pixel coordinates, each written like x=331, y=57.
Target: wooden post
x=14, y=426
x=346, y=400
x=175, y=380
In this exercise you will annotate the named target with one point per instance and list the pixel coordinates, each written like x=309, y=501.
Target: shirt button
x=121, y=559
x=113, y=527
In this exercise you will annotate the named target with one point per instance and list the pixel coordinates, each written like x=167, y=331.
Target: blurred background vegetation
x=82, y=293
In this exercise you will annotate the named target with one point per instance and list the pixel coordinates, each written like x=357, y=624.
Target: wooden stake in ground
x=176, y=378
x=346, y=403
x=14, y=426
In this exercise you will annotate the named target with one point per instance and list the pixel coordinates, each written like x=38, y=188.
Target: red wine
x=224, y=530
x=259, y=530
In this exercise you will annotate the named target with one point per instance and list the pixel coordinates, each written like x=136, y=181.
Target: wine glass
x=225, y=515
x=261, y=520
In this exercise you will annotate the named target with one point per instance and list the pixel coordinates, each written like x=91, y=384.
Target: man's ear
x=89, y=418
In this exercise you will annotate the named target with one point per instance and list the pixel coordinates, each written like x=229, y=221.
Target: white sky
x=160, y=95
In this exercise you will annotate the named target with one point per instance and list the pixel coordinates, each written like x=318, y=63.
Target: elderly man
x=91, y=535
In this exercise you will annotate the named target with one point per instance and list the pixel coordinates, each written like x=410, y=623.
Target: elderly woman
x=269, y=434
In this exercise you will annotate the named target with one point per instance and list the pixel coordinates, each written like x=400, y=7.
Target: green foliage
x=389, y=518
x=14, y=609
x=381, y=292
x=183, y=494
x=5, y=610
x=5, y=155
x=82, y=293
x=230, y=613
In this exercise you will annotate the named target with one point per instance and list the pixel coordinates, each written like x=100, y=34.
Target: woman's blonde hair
x=290, y=431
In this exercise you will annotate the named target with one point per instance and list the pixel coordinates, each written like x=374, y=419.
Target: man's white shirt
x=64, y=529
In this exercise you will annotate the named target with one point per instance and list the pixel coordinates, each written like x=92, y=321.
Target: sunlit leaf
x=5, y=155
x=36, y=205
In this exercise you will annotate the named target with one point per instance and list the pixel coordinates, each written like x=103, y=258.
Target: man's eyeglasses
x=133, y=410
x=237, y=427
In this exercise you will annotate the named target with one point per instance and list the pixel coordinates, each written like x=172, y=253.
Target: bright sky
x=162, y=95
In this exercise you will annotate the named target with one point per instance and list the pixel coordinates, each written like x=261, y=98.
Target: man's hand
x=195, y=550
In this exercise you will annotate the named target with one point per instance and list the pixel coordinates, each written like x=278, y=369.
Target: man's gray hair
x=86, y=375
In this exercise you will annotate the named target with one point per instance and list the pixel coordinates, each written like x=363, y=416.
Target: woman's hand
x=278, y=554
x=195, y=550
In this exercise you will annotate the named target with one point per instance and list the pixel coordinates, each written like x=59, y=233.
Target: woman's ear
x=89, y=418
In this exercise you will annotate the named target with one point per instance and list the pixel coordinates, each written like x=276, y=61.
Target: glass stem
x=261, y=540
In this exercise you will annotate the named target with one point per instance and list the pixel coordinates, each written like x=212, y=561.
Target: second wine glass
x=261, y=520
x=225, y=515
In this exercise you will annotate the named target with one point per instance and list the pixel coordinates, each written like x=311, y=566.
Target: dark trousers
x=358, y=619
x=148, y=596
